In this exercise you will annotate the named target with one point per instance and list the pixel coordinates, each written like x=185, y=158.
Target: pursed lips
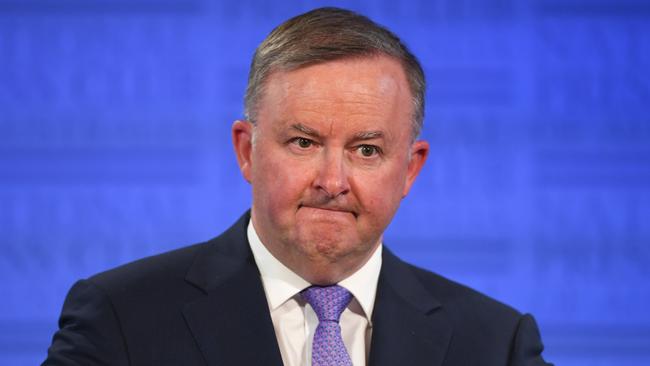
x=336, y=209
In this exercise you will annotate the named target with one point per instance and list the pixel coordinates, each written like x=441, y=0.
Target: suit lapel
x=231, y=323
x=409, y=325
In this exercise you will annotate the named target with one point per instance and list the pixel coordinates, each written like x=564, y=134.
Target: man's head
x=330, y=150
x=328, y=34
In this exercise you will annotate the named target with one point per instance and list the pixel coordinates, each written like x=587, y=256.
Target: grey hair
x=328, y=34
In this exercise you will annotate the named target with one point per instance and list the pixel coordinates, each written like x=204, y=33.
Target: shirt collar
x=281, y=283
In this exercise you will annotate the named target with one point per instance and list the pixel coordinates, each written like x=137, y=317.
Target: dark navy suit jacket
x=205, y=305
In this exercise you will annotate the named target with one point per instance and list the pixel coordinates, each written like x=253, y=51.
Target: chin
x=327, y=259
x=331, y=244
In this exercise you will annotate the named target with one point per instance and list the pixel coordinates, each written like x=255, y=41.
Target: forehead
x=369, y=91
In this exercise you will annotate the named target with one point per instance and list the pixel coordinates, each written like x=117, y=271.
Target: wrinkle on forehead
x=370, y=93
x=384, y=79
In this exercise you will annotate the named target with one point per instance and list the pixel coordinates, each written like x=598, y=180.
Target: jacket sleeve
x=89, y=331
x=527, y=344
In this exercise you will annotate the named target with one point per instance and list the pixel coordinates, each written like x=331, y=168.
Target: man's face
x=329, y=159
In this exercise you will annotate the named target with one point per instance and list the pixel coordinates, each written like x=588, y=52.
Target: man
x=334, y=106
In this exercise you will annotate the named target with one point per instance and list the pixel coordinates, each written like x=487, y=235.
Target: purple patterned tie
x=328, y=302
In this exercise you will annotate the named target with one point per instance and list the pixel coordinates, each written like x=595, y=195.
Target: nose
x=332, y=178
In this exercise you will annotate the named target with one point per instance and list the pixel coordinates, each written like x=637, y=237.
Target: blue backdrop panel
x=115, y=144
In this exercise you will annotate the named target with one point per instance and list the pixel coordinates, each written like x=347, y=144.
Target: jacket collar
x=410, y=325
x=231, y=324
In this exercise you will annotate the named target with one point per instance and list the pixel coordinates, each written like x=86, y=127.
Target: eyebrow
x=306, y=130
x=369, y=135
x=366, y=135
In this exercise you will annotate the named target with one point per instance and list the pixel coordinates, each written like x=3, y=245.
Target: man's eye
x=368, y=150
x=303, y=142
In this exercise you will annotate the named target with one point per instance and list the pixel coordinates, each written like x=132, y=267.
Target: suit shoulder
x=165, y=273
x=149, y=270
x=483, y=327
x=461, y=299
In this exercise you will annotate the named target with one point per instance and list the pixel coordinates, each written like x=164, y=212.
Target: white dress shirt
x=295, y=321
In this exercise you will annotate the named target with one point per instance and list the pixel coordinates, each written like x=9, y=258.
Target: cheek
x=380, y=195
x=280, y=183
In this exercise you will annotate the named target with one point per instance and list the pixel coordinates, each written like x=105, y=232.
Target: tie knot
x=328, y=302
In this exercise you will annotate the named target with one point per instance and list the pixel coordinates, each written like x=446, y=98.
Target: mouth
x=335, y=209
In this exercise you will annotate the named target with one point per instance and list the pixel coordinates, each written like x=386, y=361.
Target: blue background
x=115, y=144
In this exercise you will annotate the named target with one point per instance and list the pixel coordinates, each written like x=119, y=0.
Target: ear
x=242, y=140
x=418, y=155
